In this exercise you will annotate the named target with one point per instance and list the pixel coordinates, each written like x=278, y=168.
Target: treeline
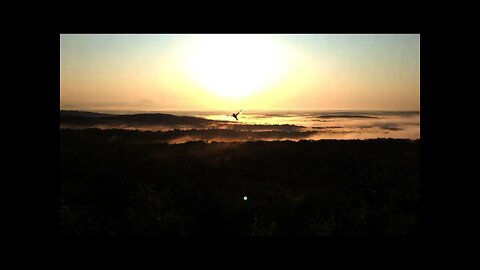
x=137, y=136
x=317, y=188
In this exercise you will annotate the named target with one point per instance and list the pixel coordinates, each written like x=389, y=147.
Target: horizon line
x=222, y=110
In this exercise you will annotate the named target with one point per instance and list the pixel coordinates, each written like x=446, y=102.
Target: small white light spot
x=244, y=198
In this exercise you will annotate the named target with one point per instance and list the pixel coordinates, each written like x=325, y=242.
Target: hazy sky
x=208, y=72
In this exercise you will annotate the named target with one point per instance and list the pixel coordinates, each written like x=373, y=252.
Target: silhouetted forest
x=120, y=182
x=177, y=135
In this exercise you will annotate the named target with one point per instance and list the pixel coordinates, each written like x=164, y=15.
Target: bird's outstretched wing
x=235, y=114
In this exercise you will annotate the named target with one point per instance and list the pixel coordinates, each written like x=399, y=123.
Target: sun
x=234, y=66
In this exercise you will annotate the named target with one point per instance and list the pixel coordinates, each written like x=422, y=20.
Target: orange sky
x=217, y=72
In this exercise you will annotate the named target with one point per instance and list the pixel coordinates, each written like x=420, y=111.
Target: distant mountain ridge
x=83, y=114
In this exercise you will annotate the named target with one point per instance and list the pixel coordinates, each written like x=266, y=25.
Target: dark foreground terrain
x=114, y=184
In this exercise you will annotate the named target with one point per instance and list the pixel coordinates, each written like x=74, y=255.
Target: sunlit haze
x=232, y=72
x=243, y=135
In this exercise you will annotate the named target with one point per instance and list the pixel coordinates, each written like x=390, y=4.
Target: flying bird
x=236, y=114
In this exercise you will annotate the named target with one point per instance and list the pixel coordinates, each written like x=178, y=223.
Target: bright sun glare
x=235, y=66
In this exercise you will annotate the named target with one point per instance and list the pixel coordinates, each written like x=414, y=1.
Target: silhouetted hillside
x=93, y=119
x=157, y=121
